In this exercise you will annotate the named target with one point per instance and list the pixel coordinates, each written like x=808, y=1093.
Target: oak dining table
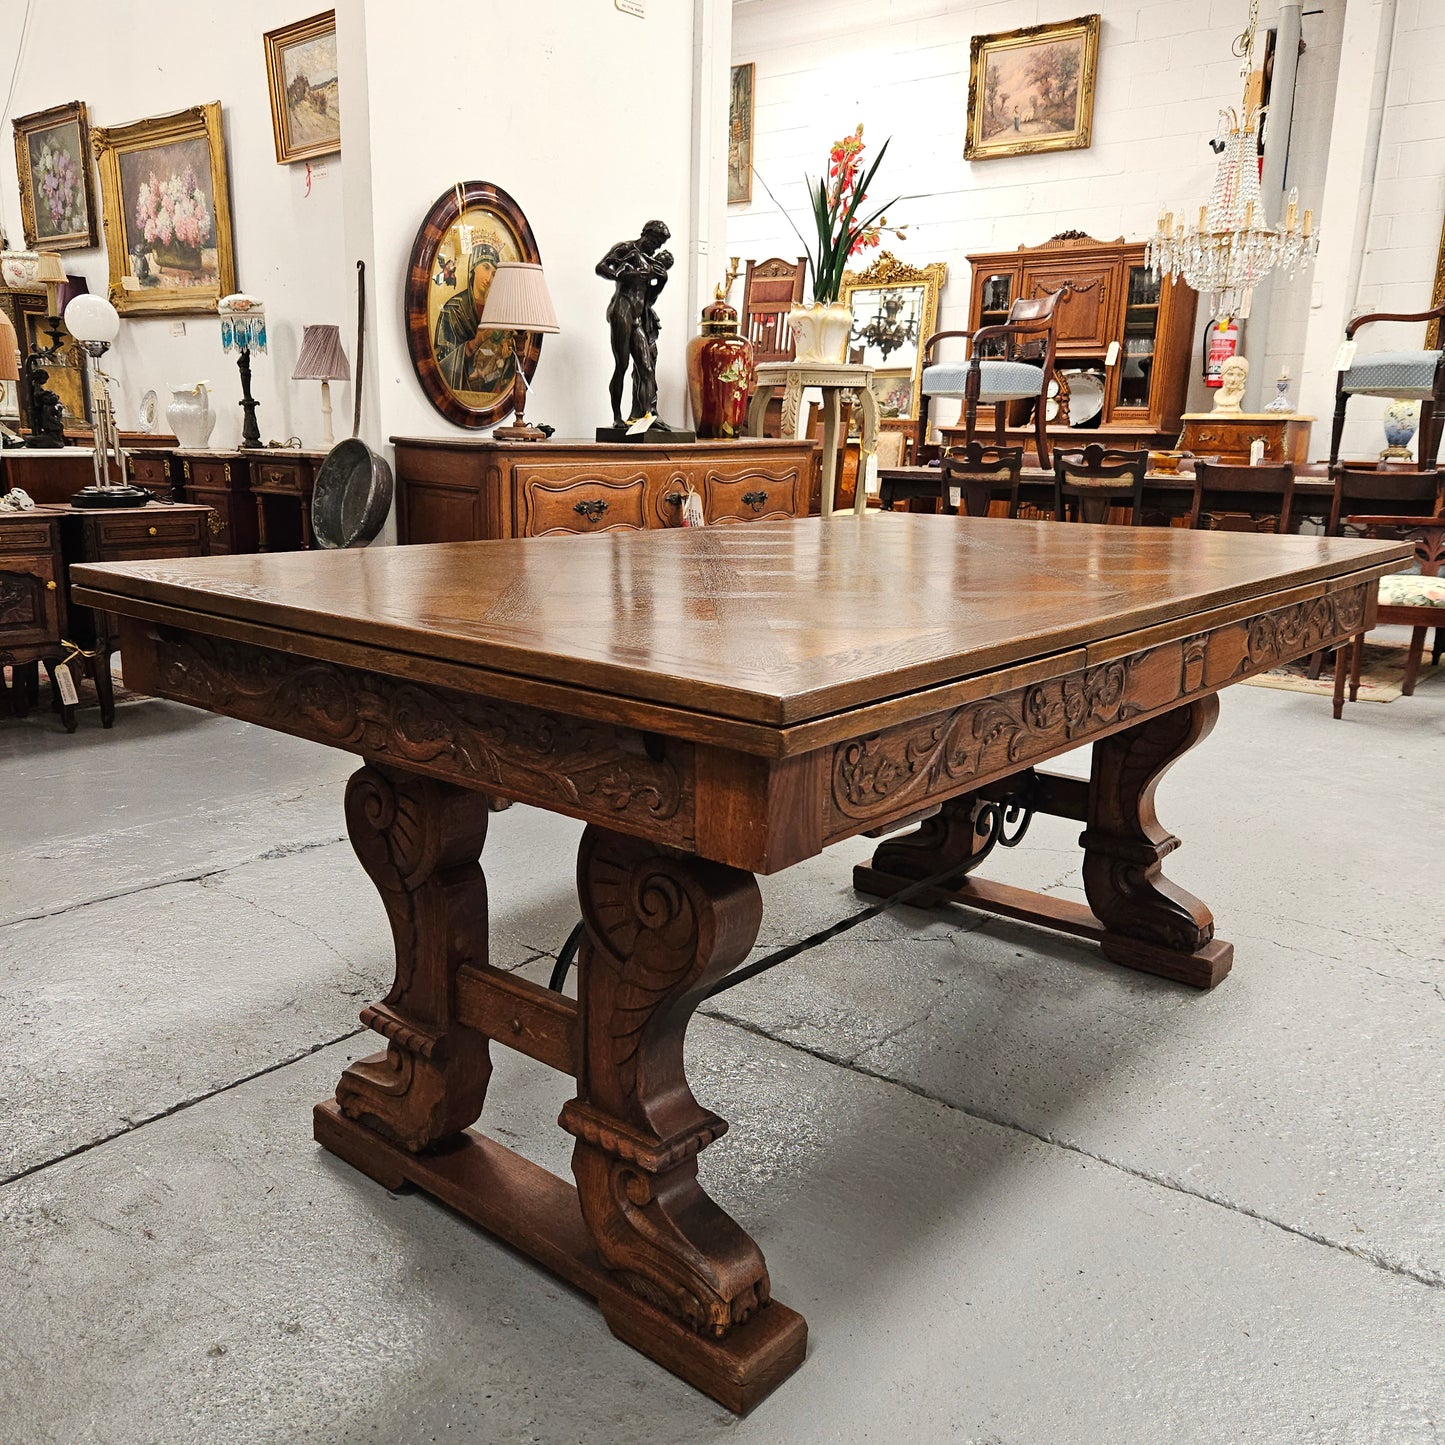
x=714, y=703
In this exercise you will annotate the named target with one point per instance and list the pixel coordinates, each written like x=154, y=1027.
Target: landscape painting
x=1032, y=89
x=740, y=136
x=305, y=100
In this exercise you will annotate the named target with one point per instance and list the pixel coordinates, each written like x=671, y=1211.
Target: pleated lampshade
x=517, y=299
x=322, y=358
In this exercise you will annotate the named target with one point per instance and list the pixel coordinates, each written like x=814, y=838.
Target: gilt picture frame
x=1032, y=89
x=740, y=135
x=166, y=204
x=1437, y=295
x=301, y=71
x=57, y=195
x=468, y=374
x=893, y=297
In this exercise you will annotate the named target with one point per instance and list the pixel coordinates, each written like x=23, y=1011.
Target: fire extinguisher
x=1221, y=341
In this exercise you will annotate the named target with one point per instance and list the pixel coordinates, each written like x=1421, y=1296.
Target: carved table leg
x=661, y=927
x=959, y=834
x=419, y=840
x=1149, y=923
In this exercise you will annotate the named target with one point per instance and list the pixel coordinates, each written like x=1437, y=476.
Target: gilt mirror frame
x=888, y=273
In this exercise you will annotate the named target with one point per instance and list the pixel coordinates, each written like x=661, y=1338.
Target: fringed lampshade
x=9, y=350
x=323, y=360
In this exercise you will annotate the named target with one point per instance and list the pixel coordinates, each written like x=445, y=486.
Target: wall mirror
x=895, y=311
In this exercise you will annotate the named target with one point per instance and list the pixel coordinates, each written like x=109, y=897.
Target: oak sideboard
x=460, y=489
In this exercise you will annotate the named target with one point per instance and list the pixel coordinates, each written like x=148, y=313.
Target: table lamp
x=243, y=329
x=51, y=271
x=323, y=360
x=9, y=350
x=517, y=300
x=95, y=323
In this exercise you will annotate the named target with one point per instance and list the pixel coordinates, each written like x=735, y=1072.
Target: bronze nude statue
x=638, y=270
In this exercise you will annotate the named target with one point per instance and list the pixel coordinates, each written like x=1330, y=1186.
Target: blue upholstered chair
x=1021, y=372
x=1401, y=375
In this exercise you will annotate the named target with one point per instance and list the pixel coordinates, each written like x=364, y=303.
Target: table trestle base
x=1139, y=918
x=538, y=1214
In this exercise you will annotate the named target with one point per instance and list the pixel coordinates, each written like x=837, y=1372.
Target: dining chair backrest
x=1088, y=483
x=1242, y=498
x=980, y=475
x=1398, y=493
x=770, y=289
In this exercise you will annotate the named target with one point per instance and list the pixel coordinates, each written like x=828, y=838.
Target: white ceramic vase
x=189, y=415
x=820, y=332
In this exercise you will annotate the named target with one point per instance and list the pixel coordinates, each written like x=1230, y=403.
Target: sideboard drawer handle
x=150, y=531
x=50, y=586
x=756, y=500
x=591, y=510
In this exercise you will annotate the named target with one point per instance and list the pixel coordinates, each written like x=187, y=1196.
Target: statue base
x=654, y=436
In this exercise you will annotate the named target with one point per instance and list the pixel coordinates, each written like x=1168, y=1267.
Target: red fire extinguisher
x=1221, y=341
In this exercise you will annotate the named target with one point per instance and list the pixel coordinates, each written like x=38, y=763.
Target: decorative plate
x=149, y=405
x=1086, y=396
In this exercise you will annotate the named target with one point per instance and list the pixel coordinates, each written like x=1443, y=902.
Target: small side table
x=282, y=480
x=794, y=378
x=1286, y=435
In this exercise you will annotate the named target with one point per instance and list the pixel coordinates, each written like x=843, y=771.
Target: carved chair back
x=1402, y=493
x=1088, y=483
x=770, y=289
x=1242, y=499
x=978, y=476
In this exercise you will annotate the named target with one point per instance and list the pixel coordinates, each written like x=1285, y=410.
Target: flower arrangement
x=837, y=201
x=174, y=211
x=60, y=188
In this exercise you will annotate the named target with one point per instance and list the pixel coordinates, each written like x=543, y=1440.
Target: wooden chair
x=1022, y=372
x=1401, y=375
x=1403, y=504
x=1242, y=499
x=1088, y=483
x=979, y=476
x=770, y=289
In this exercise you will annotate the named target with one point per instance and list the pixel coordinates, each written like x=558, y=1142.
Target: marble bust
x=1233, y=374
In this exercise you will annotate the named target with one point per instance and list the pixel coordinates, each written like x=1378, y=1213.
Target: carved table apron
x=792, y=712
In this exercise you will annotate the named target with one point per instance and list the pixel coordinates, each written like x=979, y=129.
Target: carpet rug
x=1381, y=674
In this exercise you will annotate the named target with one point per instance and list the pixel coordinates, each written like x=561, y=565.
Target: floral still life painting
x=301, y=69
x=52, y=159
x=1032, y=89
x=167, y=212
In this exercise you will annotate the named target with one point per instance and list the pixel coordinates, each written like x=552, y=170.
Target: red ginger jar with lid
x=719, y=374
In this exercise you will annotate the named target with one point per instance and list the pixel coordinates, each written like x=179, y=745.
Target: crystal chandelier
x=1232, y=247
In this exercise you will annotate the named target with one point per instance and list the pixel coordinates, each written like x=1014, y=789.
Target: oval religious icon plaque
x=466, y=371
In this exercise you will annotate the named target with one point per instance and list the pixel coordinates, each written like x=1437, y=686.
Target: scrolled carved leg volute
x=959, y=836
x=661, y=927
x=1150, y=922
x=419, y=840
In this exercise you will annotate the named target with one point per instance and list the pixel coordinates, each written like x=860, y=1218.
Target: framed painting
x=52, y=159
x=1437, y=296
x=166, y=204
x=1032, y=89
x=467, y=372
x=305, y=103
x=740, y=136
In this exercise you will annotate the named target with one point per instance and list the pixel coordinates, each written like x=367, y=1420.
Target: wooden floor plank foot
x=537, y=1213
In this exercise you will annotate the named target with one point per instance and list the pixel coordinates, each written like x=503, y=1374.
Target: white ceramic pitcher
x=189, y=415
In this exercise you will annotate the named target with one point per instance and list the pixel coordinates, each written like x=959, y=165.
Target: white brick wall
x=901, y=67
x=1402, y=239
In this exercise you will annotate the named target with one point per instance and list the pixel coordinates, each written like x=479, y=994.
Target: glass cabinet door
x=1141, y=333
x=995, y=296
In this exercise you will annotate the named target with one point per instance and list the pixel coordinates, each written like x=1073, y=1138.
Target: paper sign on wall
x=632, y=7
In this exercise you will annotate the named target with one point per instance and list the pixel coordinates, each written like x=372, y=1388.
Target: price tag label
x=1256, y=452
x=1111, y=356
x=641, y=425
x=66, y=683
x=955, y=497
x=1346, y=358
x=633, y=7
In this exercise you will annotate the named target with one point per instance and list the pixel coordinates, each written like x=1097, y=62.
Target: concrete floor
x=1019, y=1194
